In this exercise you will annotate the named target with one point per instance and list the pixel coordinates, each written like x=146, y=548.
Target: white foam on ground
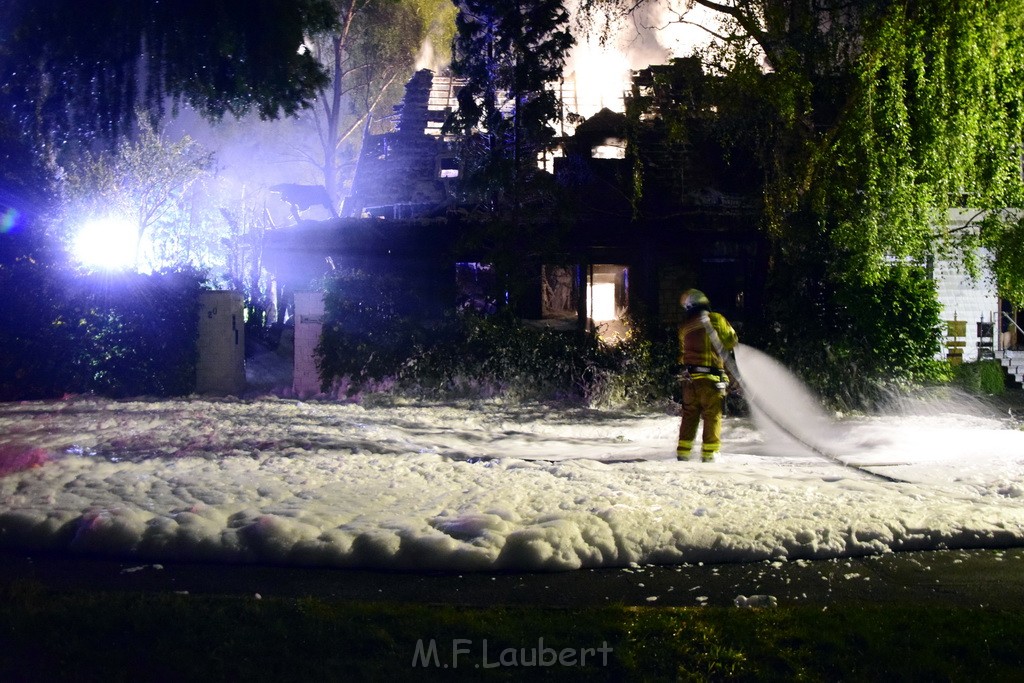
x=487, y=486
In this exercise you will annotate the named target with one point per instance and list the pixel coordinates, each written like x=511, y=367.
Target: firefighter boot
x=683, y=450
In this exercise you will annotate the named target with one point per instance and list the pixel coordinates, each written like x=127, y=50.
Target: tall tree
x=146, y=182
x=367, y=58
x=77, y=70
x=869, y=120
x=509, y=52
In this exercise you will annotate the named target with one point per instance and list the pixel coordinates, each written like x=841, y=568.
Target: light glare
x=602, y=301
x=107, y=244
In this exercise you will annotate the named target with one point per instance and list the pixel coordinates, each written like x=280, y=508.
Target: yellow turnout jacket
x=696, y=349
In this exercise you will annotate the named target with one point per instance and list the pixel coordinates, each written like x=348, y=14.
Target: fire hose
x=767, y=413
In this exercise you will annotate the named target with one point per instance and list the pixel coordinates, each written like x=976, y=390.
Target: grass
x=48, y=635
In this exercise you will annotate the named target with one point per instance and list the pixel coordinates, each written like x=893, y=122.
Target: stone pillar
x=309, y=318
x=221, y=364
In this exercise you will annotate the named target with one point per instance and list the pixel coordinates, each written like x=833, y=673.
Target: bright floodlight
x=107, y=244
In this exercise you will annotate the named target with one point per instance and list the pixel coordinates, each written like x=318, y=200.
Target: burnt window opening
x=474, y=287
x=608, y=301
x=448, y=167
x=559, y=293
x=610, y=148
x=605, y=292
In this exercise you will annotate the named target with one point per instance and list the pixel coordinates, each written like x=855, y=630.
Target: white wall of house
x=964, y=298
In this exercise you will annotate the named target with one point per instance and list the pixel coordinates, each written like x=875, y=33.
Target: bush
x=640, y=370
x=984, y=377
x=503, y=355
x=33, y=364
x=372, y=328
x=136, y=334
x=374, y=339
x=852, y=341
x=116, y=336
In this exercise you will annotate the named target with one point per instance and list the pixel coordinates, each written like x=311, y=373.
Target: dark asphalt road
x=956, y=578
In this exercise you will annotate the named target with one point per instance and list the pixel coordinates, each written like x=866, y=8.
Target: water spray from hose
x=772, y=414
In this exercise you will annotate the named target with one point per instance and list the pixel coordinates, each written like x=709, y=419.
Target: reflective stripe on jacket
x=695, y=347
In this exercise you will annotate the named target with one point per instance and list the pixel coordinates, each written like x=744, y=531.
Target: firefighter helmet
x=693, y=300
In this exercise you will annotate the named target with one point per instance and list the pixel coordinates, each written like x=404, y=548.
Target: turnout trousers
x=702, y=399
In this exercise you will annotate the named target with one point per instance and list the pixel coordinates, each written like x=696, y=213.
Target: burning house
x=652, y=213
x=410, y=172
x=650, y=216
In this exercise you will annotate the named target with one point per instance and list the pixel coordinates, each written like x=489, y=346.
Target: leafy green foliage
x=503, y=355
x=146, y=181
x=871, y=120
x=75, y=68
x=640, y=370
x=851, y=341
x=373, y=326
x=375, y=337
x=986, y=377
x=1003, y=236
x=508, y=52
x=933, y=122
x=135, y=335
x=375, y=330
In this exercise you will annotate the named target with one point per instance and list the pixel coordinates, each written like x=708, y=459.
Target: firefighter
x=704, y=381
